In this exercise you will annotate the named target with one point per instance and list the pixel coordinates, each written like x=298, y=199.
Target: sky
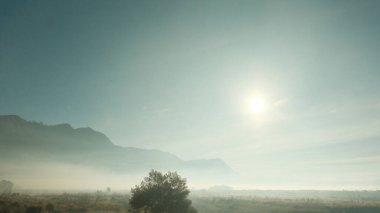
x=181, y=76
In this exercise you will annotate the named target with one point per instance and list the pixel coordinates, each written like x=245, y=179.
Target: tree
x=161, y=193
x=49, y=208
x=6, y=187
x=34, y=209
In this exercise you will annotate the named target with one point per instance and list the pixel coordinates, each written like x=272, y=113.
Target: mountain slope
x=35, y=142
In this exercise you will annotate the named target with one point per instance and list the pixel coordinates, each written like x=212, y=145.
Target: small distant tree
x=161, y=193
x=6, y=187
x=34, y=209
x=49, y=208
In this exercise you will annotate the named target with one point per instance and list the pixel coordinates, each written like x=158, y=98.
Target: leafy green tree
x=161, y=193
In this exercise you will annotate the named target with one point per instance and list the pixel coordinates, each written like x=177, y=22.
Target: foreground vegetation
x=277, y=205
x=78, y=202
x=108, y=202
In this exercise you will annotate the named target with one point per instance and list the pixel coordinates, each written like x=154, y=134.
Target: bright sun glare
x=257, y=105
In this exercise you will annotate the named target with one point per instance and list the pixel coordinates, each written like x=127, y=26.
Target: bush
x=160, y=193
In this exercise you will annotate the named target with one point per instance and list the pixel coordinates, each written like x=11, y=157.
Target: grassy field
x=106, y=202
x=78, y=202
x=277, y=205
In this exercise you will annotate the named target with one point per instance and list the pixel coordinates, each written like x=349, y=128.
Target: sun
x=257, y=105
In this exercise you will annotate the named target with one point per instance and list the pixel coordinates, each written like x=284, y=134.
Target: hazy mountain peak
x=11, y=118
x=63, y=126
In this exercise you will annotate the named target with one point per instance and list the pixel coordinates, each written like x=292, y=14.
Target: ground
x=102, y=202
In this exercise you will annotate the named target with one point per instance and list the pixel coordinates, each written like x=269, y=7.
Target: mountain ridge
x=84, y=146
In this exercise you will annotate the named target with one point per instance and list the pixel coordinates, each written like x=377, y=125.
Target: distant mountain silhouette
x=32, y=141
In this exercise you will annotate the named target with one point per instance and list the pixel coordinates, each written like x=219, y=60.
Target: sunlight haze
x=286, y=93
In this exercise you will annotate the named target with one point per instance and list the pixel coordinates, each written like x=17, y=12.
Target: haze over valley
x=204, y=97
x=38, y=156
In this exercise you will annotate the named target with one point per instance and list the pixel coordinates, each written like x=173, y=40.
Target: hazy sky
x=179, y=76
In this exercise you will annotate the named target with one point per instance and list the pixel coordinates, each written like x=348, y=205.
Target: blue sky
x=178, y=75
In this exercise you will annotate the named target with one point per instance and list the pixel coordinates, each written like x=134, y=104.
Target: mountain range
x=24, y=141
